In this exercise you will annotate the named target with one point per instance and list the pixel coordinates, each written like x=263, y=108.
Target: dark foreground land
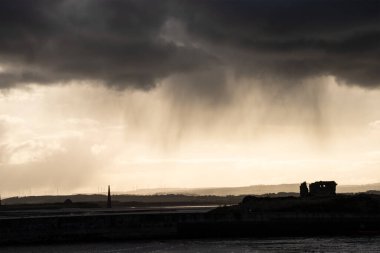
x=258, y=217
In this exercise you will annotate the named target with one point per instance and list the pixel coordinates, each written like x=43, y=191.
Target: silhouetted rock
x=67, y=202
x=357, y=203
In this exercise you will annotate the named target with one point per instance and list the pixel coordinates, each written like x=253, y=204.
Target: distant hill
x=247, y=190
x=358, y=188
x=222, y=191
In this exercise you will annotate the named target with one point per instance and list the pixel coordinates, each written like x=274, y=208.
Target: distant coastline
x=221, y=195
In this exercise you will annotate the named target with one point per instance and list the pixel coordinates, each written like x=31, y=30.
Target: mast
x=109, y=203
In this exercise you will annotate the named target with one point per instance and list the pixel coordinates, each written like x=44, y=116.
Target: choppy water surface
x=335, y=244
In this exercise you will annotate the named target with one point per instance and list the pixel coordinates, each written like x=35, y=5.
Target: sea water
x=315, y=244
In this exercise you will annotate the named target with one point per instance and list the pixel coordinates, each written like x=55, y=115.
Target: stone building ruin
x=318, y=189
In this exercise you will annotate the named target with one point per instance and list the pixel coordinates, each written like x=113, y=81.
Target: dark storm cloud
x=137, y=43
x=292, y=39
x=117, y=42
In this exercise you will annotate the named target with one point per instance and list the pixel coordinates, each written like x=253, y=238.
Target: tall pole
x=109, y=204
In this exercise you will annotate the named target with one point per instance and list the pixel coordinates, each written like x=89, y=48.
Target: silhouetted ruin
x=109, y=203
x=320, y=188
x=304, y=191
x=323, y=188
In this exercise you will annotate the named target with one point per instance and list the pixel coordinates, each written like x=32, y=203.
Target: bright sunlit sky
x=167, y=94
x=79, y=137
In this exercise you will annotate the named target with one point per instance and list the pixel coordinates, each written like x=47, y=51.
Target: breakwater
x=182, y=225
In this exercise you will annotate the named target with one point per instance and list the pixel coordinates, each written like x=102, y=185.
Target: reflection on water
x=334, y=244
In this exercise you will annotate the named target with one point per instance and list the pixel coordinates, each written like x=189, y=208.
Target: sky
x=169, y=94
